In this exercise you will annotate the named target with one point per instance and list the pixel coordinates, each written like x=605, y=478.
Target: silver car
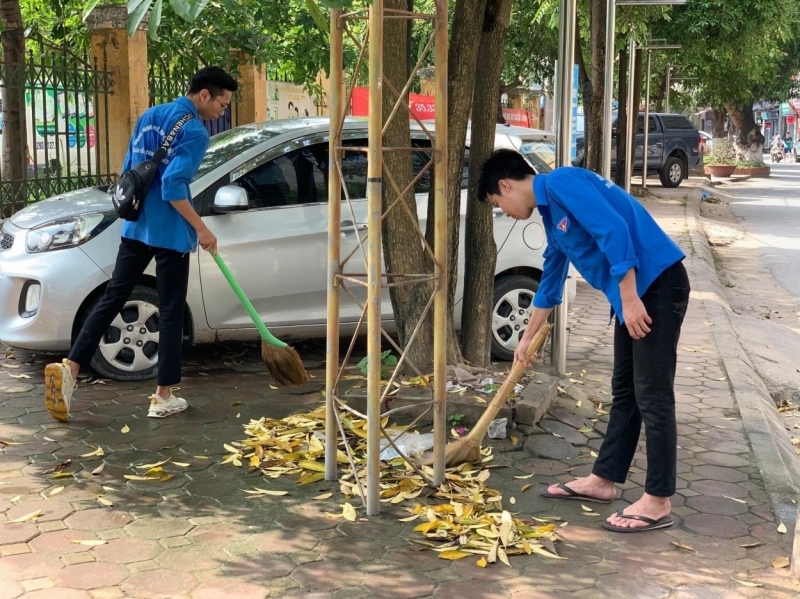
x=262, y=190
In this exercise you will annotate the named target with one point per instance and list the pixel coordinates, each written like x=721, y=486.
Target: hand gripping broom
x=282, y=361
x=468, y=449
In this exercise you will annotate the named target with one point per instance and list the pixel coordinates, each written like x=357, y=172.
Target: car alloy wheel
x=131, y=342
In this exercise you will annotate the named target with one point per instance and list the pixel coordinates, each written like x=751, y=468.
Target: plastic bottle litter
x=410, y=444
x=497, y=428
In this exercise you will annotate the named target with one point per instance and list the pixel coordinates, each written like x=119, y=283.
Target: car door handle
x=348, y=226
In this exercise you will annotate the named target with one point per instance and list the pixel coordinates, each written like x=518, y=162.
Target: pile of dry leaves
x=472, y=522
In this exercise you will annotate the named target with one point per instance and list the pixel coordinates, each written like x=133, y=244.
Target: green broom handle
x=265, y=334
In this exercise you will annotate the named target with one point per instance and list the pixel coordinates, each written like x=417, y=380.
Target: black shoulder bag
x=130, y=190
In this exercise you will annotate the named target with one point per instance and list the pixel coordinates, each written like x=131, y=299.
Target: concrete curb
x=775, y=456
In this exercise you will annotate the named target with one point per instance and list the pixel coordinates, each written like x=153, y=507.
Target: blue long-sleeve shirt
x=159, y=224
x=602, y=230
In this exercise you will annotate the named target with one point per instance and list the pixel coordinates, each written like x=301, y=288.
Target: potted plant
x=722, y=161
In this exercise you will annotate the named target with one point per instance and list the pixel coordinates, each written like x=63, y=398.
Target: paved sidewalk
x=196, y=535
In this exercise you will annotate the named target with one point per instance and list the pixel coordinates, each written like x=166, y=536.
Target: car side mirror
x=230, y=198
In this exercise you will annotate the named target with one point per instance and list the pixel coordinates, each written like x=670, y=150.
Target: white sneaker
x=58, y=388
x=161, y=408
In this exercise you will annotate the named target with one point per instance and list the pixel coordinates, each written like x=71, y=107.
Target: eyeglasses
x=223, y=106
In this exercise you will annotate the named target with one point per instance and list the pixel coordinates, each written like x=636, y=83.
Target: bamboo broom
x=468, y=449
x=282, y=361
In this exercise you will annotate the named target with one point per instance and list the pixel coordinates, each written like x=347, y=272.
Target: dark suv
x=672, y=147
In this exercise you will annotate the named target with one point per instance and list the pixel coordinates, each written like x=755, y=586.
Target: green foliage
x=388, y=361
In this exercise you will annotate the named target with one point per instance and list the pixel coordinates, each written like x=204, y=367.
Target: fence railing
x=53, y=139
x=168, y=82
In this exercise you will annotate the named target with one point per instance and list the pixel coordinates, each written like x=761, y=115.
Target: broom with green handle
x=282, y=361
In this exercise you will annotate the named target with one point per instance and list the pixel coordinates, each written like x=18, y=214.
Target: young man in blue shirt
x=619, y=249
x=168, y=230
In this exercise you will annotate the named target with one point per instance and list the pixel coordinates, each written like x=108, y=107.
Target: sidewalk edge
x=774, y=454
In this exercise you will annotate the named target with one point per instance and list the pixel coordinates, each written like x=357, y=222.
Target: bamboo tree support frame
x=370, y=45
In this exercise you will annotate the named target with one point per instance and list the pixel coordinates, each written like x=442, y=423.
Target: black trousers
x=172, y=280
x=643, y=389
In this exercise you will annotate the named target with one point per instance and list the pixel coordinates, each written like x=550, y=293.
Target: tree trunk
x=593, y=110
x=637, y=100
x=661, y=91
x=402, y=250
x=718, y=130
x=750, y=141
x=13, y=84
x=622, y=117
x=462, y=62
x=480, y=249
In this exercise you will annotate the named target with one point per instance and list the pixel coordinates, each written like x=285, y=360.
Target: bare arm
x=633, y=310
x=205, y=237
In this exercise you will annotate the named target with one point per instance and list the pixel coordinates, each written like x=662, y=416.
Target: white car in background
x=262, y=190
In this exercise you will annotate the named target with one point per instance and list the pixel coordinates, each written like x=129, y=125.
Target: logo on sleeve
x=563, y=225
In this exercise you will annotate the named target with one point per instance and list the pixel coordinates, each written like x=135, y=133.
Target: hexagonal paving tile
x=19, y=532
x=92, y=575
x=98, y=519
x=26, y=566
x=191, y=558
x=128, y=551
x=327, y=576
x=158, y=528
x=52, y=511
x=711, y=525
x=159, y=584
x=727, y=475
x=718, y=489
x=232, y=588
x=274, y=541
x=721, y=506
x=60, y=542
x=399, y=585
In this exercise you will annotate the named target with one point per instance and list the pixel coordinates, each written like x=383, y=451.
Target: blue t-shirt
x=159, y=224
x=602, y=230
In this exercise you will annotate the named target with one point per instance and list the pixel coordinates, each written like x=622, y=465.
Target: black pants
x=172, y=280
x=643, y=388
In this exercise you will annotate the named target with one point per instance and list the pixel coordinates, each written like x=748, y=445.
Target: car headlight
x=68, y=232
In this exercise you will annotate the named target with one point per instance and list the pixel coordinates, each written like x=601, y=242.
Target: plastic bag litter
x=410, y=444
x=497, y=428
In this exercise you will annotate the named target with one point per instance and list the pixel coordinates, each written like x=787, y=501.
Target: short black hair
x=214, y=79
x=501, y=164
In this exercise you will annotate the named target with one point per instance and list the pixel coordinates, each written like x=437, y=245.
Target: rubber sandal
x=571, y=494
x=664, y=522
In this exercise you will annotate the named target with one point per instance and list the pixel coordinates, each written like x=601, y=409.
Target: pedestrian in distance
x=619, y=249
x=168, y=230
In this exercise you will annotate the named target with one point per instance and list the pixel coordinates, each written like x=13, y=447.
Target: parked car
x=56, y=256
x=673, y=147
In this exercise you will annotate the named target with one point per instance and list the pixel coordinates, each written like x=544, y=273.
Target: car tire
x=673, y=172
x=511, y=294
x=136, y=359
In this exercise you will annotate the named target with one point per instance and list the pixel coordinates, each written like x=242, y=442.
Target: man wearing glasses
x=168, y=230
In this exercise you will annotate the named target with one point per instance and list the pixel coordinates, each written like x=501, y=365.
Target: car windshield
x=541, y=154
x=228, y=144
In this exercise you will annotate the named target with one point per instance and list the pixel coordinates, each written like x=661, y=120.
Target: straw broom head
x=284, y=364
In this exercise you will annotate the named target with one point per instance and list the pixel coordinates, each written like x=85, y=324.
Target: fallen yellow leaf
x=684, y=547
x=326, y=496
x=93, y=543
x=782, y=528
x=586, y=509
x=746, y=583
x=55, y=491
x=453, y=554
x=525, y=488
x=349, y=512
x=481, y=563
x=99, y=469
x=780, y=562
x=26, y=517
x=125, y=429
x=181, y=464
x=525, y=476
x=62, y=475
x=97, y=452
x=105, y=502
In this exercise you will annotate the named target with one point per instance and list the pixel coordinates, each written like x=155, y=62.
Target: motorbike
x=776, y=154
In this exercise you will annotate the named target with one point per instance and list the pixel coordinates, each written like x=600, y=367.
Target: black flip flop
x=664, y=522
x=571, y=494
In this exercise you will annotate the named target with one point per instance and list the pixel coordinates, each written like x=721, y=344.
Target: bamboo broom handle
x=508, y=385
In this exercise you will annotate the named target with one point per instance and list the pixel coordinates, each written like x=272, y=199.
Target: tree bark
x=720, y=116
x=462, y=63
x=593, y=110
x=480, y=249
x=750, y=141
x=622, y=117
x=403, y=252
x=15, y=139
x=661, y=91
